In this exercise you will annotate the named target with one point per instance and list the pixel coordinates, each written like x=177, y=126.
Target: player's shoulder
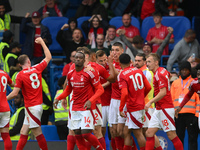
x=91, y=73
x=194, y=82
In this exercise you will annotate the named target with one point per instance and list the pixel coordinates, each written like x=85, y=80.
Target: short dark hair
x=81, y=53
x=111, y=26
x=83, y=49
x=157, y=13
x=124, y=59
x=22, y=59
x=138, y=39
x=155, y=56
x=142, y=55
x=61, y=81
x=100, y=53
x=118, y=44
x=189, y=32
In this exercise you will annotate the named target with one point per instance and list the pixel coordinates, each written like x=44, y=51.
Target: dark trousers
x=45, y=117
x=63, y=131
x=189, y=121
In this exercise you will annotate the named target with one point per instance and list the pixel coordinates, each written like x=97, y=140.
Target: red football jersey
x=82, y=84
x=159, y=33
x=131, y=31
x=148, y=7
x=66, y=69
x=106, y=96
x=116, y=92
x=4, y=80
x=30, y=82
x=161, y=80
x=194, y=86
x=134, y=80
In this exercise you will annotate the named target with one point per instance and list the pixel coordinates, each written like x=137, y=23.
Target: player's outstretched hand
x=177, y=111
x=122, y=114
x=64, y=104
x=39, y=40
x=55, y=103
x=87, y=105
x=147, y=106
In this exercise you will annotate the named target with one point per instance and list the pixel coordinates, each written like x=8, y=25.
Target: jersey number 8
x=35, y=81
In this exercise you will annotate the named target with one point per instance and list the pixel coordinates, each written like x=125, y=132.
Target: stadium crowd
x=111, y=77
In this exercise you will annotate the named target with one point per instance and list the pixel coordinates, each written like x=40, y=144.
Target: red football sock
x=22, y=142
x=177, y=143
x=102, y=142
x=113, y=144
x=71, y=141
x=150, y=143
x=158, y=148
x=126, y=147
x=80, y=142
x=88, y=145
x=142, y=148
x=7, y=141
x=42, y=142
x=119, y=141
x=134, y=147
x=93, y=140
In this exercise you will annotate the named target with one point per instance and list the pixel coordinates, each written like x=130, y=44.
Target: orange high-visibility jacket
x=192, y=106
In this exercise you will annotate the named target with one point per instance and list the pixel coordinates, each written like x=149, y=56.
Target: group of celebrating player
x=109, y=90
x=114, y=90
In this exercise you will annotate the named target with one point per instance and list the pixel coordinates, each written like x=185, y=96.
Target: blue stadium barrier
x=80, y=20
x=179, y=24
x=196, y=26
x=54, y=24
x=74, y=4
x=50, y=132
x=117, y=22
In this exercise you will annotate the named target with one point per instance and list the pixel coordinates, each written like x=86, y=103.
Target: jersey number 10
x=136, y=83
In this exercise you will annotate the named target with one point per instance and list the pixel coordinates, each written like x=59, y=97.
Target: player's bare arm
x=47, y=53
x=159, y=96
x=113, y=75
x=106, y=84
x=13, y=94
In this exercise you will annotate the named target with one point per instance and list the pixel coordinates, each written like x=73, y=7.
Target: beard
x=184, y=77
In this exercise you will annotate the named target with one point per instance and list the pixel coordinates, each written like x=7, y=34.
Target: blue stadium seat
x=117, y=22
x=179, y=24
x=54, y=24
x=74, y=4
x=196, y=26
x=50, y=132
x=80, y=20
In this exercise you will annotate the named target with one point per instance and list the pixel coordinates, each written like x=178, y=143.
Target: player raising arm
x=29, y=80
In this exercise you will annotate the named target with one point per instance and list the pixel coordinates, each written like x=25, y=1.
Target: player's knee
x=149, y=133
x=171, y=135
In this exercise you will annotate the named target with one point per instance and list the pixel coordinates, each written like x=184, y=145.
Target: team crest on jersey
x=163, y=142
x=161, y=34
x=130, y=34
x=82, y=77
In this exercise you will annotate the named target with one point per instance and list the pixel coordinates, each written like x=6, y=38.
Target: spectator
x=53, y=9
x=69, y=46
x=145, y=8
x=33, y=30
x=11, y=64
x=130, y=30
x=147, y=49
x=67, y=34
x=157, y=34
x=186, y=117
x=95, y=25
x=184, y=49
x=99, y=40
x=67, y=66
x=61, y=114
x=7, y=19
x=17, y=119
x=91, y=7
x=111, y=38
x=4, y=46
